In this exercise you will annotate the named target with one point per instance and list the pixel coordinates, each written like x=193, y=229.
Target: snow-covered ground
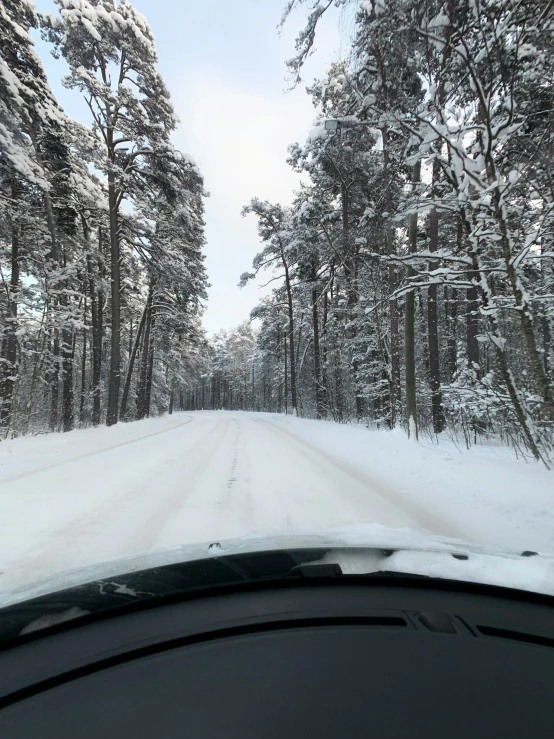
x=74, y=500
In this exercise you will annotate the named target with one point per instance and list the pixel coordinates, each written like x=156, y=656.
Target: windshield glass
x=276, y=274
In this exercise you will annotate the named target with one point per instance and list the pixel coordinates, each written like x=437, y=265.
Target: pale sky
x=224, y=64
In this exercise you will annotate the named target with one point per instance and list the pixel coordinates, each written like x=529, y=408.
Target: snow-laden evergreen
x=101, y=227
x=414, y=272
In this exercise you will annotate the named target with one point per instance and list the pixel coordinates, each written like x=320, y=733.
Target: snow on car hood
x=359, y=549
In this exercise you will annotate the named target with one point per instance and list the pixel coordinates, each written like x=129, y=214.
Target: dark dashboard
x=316, y=655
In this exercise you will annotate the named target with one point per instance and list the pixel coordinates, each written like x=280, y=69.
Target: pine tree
x=112, y=56
x=64, y=233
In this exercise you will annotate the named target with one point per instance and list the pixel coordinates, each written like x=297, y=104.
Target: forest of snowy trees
x=414, y=271
x=101, y=227
x=412, y=275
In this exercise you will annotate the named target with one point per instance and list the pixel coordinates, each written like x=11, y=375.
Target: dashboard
x=312, y=658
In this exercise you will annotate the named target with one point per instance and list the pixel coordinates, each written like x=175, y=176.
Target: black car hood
x=141, y=582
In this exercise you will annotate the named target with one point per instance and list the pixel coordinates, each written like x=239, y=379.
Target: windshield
x=276, y=274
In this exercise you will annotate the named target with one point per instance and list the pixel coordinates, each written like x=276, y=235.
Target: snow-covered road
x=73, y=500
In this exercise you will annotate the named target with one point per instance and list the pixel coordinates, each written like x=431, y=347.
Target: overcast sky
x=224, y=64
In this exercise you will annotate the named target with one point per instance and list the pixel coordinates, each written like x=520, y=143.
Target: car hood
x=360, y=549
x=369, y=550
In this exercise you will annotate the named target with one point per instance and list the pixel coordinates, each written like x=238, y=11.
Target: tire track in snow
x=236, y=445
x=211, y=483
x=149, y=533
x=155, y=501
x=78, y=529
x=408, y=507
x=91, y=454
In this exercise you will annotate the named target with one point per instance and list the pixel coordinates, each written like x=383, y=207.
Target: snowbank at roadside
x=507, y=502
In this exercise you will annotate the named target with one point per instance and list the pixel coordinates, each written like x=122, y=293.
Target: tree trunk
x=55, y=373
x=286, y=377
x=409, y=325
x=548, y=320
x=395, y=351
x=395, y=374
x=83, y=378
x=547, y=343
x=68, y=356
x=149, y=376
x=145, y=356
x=54, y=381
x=38, y=365
x=525, y=422
x=138, y=336
x=452, y=339
x=291, y=337
x=339, y=393
x=55, y=254
x=317, y=357
x=536, y=367
x=10, y=366
x=432, y=315
x=472, y=326
x=96, y=300
x=351, y=258
x=323, y=340
x=115, y=358
x=68, y=392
